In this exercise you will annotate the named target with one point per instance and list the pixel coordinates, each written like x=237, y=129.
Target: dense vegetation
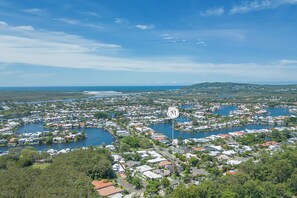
x=25, y=96
x=28, y=173
x=101, y=115
x=269, y=176
x=129, y=142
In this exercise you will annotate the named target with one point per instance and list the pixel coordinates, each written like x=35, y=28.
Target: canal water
x=278, y=111
x=166, y=129
x=225, y=110
x=95, y=137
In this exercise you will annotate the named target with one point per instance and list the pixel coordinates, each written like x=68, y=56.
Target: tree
x=165, y=182
x=193, y=161
x=293, y=183
x=152, y=188
x=137, y=183
x=282, y=170
x=101, y=115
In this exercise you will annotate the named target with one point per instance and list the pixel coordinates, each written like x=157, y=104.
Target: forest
x=28, y=173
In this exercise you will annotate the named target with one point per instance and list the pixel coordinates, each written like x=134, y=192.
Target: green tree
x=101, y=115
x=165, y=182
x=282, y=170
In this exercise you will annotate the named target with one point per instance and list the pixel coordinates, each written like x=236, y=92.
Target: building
x=106, y=189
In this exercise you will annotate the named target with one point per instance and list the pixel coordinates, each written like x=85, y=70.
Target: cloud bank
x=28, y=46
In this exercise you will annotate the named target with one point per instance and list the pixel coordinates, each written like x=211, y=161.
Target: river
x=95, y=137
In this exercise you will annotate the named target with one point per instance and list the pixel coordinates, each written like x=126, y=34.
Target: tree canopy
x=67, y=175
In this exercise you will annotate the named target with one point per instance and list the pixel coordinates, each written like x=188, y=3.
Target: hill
x=229, y=87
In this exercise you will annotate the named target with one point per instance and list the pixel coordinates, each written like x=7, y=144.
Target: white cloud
x=121, y=21
x=199, y=42
x=260, y=5
x=237, y=35
x=2, y=23
x=25, y=27
x=34, y=11
x=166, y=37
x=79, y=23
x=213, y=12
x=56, y=49
x=287, y=62
x=145, y=27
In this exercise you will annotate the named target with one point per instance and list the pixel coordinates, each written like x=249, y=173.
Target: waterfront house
x=3, y=141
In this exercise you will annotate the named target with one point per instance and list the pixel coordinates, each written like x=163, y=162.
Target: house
x=229, y=152
x=3, y=141
x=198, y=149
x=162, y=172
x=157, y=160
x=152, y=175
x=101, y=184
x=144, y=168
x=110, y=147
x=13, y=141
x=116, y=157
x=122, y=133
x=106, y=189
x=231, y=172
x=164, y=163
x=109, y=191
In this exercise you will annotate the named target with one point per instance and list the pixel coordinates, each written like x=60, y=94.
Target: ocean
x=93, y=88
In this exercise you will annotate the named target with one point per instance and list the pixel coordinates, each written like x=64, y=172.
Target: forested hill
x=228, y=87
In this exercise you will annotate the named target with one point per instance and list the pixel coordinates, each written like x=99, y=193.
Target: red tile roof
x=110, y=190
x=164, y=163
x=223, y=135
x=101, y=184
x=231, y=172
x=198, y=149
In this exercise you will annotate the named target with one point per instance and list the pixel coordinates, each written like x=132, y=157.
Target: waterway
x=95, y=137
x=166, y=129
x=225, y=110
x=278, y=111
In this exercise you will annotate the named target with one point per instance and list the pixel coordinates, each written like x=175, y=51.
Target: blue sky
x=149, y=42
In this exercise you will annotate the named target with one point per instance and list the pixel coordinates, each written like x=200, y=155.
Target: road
x=122, y=182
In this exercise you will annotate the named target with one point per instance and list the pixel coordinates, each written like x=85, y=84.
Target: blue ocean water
x=93, y=88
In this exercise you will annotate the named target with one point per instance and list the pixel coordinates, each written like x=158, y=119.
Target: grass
x=40, y=166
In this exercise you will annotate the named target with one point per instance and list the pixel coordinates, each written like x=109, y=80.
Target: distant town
x=215, y=135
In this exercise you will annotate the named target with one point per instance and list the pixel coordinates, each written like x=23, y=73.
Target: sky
x=148, y=42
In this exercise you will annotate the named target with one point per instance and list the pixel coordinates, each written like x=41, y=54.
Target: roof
x=231, y=172
x=156, y=160
x=223, y=135
x=110, y=190
x=101, y=184
x=152, y=175
x=198, y=149
x=164, y=163
x=144, y=168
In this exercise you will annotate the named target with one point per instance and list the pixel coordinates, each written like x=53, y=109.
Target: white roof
x=152, y=175
x=144, y=168
x=117, y=195
x=157, y=160
x=233, y=162
x=229, y=152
